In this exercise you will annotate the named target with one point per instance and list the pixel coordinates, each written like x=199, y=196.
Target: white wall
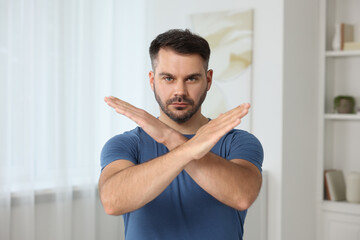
x=300, y=111
x=284, y=72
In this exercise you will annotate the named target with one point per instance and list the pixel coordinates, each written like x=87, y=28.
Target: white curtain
x=58, y=59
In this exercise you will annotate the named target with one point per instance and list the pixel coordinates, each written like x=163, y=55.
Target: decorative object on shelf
x=344, y=104
x=326, y=185
x=335, y=185
x=336, y=42
x=357, y=31
x=343, y=33
x=347, y=34
x=353, y=187
x=351, y=46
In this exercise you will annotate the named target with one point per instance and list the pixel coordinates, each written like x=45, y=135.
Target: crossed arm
x=125, y=187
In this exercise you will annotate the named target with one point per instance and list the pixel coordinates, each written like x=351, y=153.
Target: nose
x=180, y=88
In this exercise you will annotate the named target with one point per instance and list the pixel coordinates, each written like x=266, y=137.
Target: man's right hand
x=158, y=130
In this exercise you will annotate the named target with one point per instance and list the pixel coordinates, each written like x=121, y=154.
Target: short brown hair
x=181, y=41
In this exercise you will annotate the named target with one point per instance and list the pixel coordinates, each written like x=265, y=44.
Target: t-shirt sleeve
x=246, y=146
x=123, y=146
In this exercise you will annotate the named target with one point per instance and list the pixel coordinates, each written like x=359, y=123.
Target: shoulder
x=244, y=140
x=237, y=135
x=244, y=145
x=122, y=146
x=131, y=136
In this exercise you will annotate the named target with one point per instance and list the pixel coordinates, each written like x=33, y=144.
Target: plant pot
x=344, y=104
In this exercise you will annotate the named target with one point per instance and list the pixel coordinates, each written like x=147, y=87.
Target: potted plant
x=344, y=104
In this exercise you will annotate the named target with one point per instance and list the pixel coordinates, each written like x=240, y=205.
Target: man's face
x=180, y=84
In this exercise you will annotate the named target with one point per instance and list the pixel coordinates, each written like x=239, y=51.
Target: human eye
x=168, y=78
x=192, y=78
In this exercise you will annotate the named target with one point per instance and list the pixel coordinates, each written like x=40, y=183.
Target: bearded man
x=181, y=175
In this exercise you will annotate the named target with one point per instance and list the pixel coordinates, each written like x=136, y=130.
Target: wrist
x=173, y=139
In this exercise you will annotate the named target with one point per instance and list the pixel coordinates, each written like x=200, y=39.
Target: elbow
x=109, y=202
x=243, y=204
x=244, y=199
x=109, y=206
x=111, y=210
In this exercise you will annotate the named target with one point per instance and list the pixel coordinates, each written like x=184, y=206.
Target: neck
x=189, y=127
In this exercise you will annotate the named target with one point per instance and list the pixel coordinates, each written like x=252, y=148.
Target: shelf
x=342, y=53
x=339, y=133
x=341, y=207
x=338, y=116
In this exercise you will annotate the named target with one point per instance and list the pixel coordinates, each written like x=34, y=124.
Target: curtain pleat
x=58, y=59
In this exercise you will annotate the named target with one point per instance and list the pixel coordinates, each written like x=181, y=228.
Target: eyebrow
x=188, y=76
x=194, y=75
x=166, y=74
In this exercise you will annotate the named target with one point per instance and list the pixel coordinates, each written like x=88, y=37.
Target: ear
x=209, y=76
x=151, y=78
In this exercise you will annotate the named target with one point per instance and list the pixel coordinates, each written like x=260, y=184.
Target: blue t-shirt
x=183, y=210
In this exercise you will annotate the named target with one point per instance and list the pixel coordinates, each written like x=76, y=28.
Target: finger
x=110, y=102
x=125, y=105
x=238, y=112
x=124, y=108
x=233, y=114
x=107, y=99
x=227, y=121
x=120, y=104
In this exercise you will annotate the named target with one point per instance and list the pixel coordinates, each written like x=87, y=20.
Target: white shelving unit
x=335, y=116
x=340, y=133
x=342, y=53
x=341, y=207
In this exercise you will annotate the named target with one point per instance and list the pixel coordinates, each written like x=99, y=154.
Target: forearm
x=231, y=183
x=135, y=186
x=174, y=139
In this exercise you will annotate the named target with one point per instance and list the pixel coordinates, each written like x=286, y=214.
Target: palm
x=151, y=125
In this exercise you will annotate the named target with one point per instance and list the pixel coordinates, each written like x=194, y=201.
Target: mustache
x=180, y=99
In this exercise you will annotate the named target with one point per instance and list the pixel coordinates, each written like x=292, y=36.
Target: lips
x=180, y=105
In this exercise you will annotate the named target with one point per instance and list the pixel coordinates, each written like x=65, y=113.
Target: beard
x=180, y=118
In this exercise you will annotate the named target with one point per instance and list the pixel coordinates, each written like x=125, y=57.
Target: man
x=182, y=175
